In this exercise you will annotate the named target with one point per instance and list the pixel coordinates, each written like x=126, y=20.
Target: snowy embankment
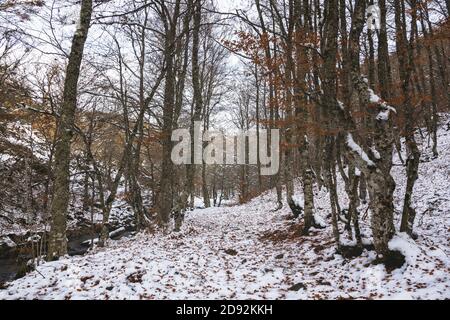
x=251, y=252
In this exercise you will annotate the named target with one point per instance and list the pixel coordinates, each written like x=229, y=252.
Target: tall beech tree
x=58, y=240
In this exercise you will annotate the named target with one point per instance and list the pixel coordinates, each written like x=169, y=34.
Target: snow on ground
x=251, y=252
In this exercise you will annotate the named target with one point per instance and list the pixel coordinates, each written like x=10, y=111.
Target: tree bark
x=405, y=56
x=165, y=195
x=58, y=238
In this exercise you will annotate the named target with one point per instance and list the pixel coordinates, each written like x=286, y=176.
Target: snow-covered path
x=251, y=252
x=225, y=253
x=217, y=255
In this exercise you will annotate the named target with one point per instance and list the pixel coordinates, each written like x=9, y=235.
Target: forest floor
x=251, y=252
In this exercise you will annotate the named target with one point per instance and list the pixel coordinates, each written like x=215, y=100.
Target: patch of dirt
x=297, y=287
x=84, y=279
x=318, y=247
x=350, y=252
x=136, y=277
x=231, y=252
x=394, y=260
x=292, y=233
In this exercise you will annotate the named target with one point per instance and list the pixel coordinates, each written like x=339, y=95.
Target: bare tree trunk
x=384, y=66
x=58, y=238
x=198, y=100
x=134, y=163
x=165, y=195
x=353, y=207
x=380, y=185
x=303, y=117
x=273, y=98
x=86, y=195
x=431, y=76
x=405, y=53
x=205, y=191
x=258, y=161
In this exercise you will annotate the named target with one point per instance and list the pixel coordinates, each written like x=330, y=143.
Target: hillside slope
x=251, y=252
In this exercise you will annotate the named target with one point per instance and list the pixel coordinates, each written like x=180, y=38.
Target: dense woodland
x=92, y=90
